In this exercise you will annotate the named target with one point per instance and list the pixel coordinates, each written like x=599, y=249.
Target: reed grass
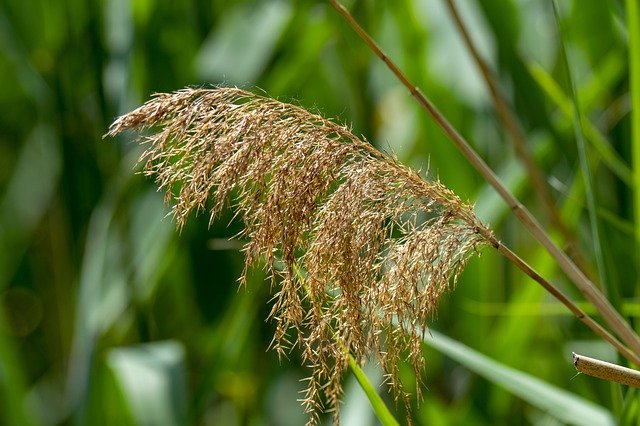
x=379, y=243
x=359, y=247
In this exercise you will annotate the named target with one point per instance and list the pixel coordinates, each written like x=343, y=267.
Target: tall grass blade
x=587, y=174
x=599, y=142
x=152, y=376
x=378, y=405
x=633, y=23
x=563, y=405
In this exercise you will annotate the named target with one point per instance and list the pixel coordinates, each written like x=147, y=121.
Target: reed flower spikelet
x=360, y=247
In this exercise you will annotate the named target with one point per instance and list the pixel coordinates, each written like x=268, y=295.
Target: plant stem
x=588, y=289
x=606, y=370
x=565, y=300
x=517, y=138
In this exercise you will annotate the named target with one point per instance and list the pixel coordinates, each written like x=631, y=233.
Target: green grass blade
x=633, y=22
x=599, y=142
x=583, y=156
x=378, y=405
x=13, y=386
x=152, y=377
x=356, y=408
x=563, y=405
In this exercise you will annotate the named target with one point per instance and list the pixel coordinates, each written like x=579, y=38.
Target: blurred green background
x=110, y=316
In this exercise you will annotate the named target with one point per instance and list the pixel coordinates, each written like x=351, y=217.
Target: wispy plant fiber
x=360, y=247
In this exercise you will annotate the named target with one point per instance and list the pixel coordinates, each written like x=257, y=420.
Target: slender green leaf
x=609, y=156
x=590, y=193
x=356, y=410
x=633, y=23
x=378, y=405
x=153, y=378
x=13, y=386
x=560, y=403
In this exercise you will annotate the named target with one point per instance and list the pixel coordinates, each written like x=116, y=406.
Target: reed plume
x=360, y=248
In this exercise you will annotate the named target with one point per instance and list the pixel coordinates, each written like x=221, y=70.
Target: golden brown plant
x=360, y=247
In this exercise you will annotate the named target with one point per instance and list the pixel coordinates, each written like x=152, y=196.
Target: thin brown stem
x=606, y=370
x=586, y=286
x=562, y=298
x=517, y=138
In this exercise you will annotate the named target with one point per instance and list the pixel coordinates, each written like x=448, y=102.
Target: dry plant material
x=360, y=247
x=606, y=370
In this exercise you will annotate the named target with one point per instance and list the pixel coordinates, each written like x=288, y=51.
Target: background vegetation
x=112, y=317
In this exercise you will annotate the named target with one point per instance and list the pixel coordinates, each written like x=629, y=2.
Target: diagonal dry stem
x=565, y=300
x=606, y=370
x=517, y=139
x=610, y=315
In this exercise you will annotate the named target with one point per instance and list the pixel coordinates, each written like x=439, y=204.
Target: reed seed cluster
x=360, y=248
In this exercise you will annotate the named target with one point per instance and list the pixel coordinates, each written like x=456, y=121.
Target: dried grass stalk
x=379, y=243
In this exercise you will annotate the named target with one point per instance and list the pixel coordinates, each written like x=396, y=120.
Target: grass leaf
x=562, y=404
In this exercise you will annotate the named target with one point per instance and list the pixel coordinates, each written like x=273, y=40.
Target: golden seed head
x=368, y=245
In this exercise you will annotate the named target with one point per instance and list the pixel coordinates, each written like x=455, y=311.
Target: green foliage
x=109, y=314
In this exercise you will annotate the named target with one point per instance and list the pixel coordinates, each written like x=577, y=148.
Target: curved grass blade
x=583, y=157
x=563, y=405
x=378, y=405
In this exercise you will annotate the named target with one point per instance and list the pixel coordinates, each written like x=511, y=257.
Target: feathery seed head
x=368, y=245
